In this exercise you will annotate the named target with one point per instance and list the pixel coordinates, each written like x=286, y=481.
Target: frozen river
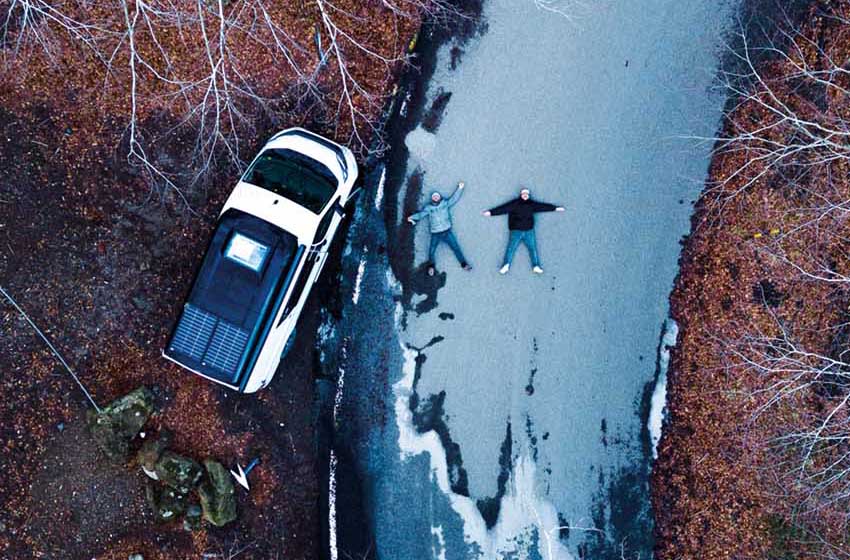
x=509, y=420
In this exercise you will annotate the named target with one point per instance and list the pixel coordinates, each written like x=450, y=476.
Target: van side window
x=325, y=223
x=298, y=288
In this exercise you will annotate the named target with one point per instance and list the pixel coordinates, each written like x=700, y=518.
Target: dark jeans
x=449, y=238
x=530, y=240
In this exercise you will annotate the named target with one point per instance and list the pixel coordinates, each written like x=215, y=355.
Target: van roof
x=236, y=294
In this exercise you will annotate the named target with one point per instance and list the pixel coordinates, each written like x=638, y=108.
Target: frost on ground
x=523, y=512
x=658, y=404
x=332, y=524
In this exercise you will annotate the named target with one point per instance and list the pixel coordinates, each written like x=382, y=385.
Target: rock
x=135, y=557
x=167, y=503
x=218, y=499
x=117, y=424
x=152, y=450
x=193, y=519
x=178, y=472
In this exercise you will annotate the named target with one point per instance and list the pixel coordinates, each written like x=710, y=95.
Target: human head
x=436, y=197
x=524, y=193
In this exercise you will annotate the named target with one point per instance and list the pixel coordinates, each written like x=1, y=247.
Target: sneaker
x=466, y=266
x=505, y=269
x=537, y=270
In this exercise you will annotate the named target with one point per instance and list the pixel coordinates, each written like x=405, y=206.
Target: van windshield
x=300, y=179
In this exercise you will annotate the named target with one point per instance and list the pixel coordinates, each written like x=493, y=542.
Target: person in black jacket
x=520, y=213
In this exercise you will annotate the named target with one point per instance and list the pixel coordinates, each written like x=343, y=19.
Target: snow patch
x=658, y=404
x=393, y=284
x=379, y=194
x=421, y=143
x=361, y=269
x=438, y=554
x=403, y=110
x=326, y=333
x=340, y=383
x=522, y=510
x=332, y=508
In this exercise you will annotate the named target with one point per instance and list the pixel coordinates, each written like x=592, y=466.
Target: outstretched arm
x=457, y=194
x=413, y=218
x=501, y=209
x=546, y=207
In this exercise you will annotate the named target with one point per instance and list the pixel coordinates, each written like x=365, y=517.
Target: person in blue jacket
x=521, y=213
x=439, y=215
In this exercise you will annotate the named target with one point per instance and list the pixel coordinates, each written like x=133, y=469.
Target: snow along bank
x=658, y=405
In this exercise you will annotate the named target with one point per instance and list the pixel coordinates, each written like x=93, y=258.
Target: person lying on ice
x=439, y=217
x=520, y=213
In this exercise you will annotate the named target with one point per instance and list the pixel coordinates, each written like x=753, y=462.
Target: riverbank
x=757, y=381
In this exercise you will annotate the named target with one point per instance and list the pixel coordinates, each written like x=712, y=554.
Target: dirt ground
x=103, y=270
x=102, y=262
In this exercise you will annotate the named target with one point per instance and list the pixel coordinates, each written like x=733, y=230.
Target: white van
x=268, y=248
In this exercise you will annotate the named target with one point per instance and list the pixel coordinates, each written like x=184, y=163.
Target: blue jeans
x=530, y=240
x=445, y=237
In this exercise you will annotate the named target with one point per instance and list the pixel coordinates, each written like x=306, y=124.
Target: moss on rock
x=194, y=518
x=178, y=472
x=152, y=450
x=167, y=503
x=218, y=499
x=119, y=422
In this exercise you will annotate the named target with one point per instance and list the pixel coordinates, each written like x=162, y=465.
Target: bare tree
x=356, y=102
x=787, y=117
x=196, y=62
x=788, y=129
x=808, y=394
x=38, y=21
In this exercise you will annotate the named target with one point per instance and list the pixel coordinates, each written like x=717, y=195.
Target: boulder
x=178, y=472
x=152, y=450
x=119, y=422
x=218, y=499
x=193, y=519
x=167, y=503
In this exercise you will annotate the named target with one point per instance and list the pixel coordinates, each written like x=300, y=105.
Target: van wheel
x=289, y=343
